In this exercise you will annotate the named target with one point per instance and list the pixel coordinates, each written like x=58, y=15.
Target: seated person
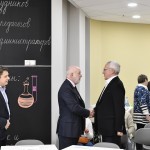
x=130, y=125
x=88, y=134
x=130, y=128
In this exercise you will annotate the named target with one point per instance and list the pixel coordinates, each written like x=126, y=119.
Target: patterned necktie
x=102, y=93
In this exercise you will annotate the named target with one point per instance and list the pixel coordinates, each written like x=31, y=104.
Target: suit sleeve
x=118, y=102
x=73, y=103
x=3, y=122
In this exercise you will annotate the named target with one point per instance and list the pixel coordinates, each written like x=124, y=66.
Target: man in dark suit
x=109, y=110
x=72, y=112
x=4, y=107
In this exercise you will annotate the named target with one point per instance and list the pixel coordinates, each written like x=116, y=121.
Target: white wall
x=58, y=63
x=68, y=48
x=87, y=62
x=77, y=47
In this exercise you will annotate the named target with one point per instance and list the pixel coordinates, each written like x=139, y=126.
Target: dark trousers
x=3, y=142
x=66, y=141
x=124, y=141
x=112, y=139
x=139, y=146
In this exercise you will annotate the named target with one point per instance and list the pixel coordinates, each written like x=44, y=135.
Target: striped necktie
x=102, y=93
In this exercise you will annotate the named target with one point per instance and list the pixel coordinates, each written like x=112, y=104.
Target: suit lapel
x=77, y=94
x=101, y=94
x=3, y=100
x=105, y=89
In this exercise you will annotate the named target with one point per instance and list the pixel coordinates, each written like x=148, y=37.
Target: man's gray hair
x=114, y=65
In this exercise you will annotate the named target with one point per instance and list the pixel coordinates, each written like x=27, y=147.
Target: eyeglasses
x=105, y=69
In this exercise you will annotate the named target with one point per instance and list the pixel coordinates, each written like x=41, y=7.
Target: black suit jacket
x=72, y=112
x=109, y=110
x=4, y=116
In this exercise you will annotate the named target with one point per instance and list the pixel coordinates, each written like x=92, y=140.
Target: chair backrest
x=107, y=145
x=142, y=136
x=29, y=142
x=147, y=125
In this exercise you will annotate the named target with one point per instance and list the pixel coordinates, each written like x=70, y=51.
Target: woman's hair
x=142, y=78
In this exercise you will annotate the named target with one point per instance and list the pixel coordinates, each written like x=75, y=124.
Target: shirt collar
x=3, y=87
x=108, y=80
x=143, y=86
x=71, y=82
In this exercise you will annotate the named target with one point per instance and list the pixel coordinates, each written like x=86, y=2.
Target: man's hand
x=86, y=131
x=91, y=113
x=7, y=125
x=120, y=133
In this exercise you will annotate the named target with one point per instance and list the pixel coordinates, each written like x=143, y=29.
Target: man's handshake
x=91, y=113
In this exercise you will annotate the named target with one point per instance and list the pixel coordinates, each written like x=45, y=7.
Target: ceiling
x=114, y=10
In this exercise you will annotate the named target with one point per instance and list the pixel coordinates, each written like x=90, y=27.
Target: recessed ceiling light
x=136, y=16
x=132, y=4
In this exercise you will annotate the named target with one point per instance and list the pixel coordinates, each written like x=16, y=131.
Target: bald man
x=72, y=112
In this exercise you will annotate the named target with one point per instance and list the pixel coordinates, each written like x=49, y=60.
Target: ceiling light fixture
x=132, y=4
x=136, y=17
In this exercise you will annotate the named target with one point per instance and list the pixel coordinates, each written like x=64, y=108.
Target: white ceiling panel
x=115, y=10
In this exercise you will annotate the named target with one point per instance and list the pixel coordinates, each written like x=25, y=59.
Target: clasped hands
x=91, y=114
x=86, y=131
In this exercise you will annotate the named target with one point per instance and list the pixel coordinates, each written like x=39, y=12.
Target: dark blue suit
x=72, y=114
x=4, y=116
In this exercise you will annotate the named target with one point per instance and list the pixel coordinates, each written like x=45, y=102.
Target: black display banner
x=25, y=34
x=29, y=97
x=25, y=31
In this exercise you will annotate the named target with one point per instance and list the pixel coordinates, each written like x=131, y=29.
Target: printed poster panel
x=29, y=93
